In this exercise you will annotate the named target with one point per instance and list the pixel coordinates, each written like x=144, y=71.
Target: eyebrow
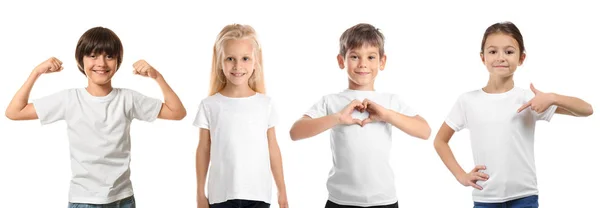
x=510, y=46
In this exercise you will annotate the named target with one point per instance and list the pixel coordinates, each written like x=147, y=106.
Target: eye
x=372, y=57
x=492, y=52
x=228, y=59
x=353, y=57
x=510, y=52
x=246, y=58
x=109, y=57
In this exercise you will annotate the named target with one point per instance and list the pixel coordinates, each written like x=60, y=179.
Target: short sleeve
x=318, y=110
x=145, y=108
x=457, y=119
x=546, y=115
x=273, y=116
x=51, y=108
x=201, y=120
x=401, y=107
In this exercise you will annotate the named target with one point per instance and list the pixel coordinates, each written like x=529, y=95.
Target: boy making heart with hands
x=361, y=175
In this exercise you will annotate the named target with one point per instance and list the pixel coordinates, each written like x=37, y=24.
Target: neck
x=367, y=87
x=99, y=90
x=499, y=84
x=232, y=90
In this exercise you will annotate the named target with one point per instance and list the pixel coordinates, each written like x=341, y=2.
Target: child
x=98, y=118
x=237, y=133
x=361, y=175
x=501, y=119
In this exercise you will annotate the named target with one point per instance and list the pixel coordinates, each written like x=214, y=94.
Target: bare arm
x=172, y=108
x=277, y=167
x=202, y=162
x=443, y=149
x=572, y=106
x=415, y=126
x=19, y=108
x=307, y=127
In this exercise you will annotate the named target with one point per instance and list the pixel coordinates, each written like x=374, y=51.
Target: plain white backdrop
x=432, y=49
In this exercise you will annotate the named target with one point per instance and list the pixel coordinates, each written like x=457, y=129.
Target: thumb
x=535, y=91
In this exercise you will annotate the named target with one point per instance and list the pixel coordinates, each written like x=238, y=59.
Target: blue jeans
x=237, y=203
x=128, y=202
x=527, y=202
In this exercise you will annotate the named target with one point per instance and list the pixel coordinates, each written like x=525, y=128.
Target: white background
x=432, y=49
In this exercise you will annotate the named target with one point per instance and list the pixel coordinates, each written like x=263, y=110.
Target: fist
x=49, y=66
x=142, y=68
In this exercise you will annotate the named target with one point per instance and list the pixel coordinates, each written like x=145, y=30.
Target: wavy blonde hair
x=236, y=32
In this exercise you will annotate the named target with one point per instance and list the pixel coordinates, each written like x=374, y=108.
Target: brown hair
x=507, y=28
x=236, y=32
x=359, y=35
x=98, y=40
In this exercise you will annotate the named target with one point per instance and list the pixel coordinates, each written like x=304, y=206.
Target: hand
x=202, y=202
x=470, y=179
x=540, y=102
x=282, y=200
x=49, y=66
x=345, y=115
x=142, y=68
x=376, y=112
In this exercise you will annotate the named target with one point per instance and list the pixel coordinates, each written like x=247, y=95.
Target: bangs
x=99, y=42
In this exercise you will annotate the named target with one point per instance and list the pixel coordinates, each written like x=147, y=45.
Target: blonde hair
x=236, y=32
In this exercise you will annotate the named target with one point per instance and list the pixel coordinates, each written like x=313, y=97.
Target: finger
x=138, y=63
x=474, y=185
x=479, y=178
x=483, y=175
x=523, y=107
x=478, y=167
x=59, y=62
x=356, y=121
x=366, y=121
x=535, y=91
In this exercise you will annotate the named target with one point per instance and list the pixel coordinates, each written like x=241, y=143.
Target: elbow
x=181, y=114
x=426, y=133
x=590, y=111
x=10, y=115
x=294, y=135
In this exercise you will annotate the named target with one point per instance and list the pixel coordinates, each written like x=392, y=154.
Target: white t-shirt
x=239, y=151
x=98, y=132
x=361, y=173
x=502, y=140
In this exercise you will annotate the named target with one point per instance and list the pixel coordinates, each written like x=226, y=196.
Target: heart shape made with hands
x=366, y=112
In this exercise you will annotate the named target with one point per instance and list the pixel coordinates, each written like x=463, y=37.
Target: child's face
x=501, y=55
x=238, y=61
x=99, y=68
x=362, y=64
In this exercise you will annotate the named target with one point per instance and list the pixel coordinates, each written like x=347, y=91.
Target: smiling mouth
x=237, y=74
x=101, y=71
x=362, y=73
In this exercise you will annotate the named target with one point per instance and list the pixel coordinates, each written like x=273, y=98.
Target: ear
x=382, y=62
x=340, y=60
x=522, y=58
x=482, y=58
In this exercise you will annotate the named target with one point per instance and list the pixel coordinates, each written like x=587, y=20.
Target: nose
x=101, y=61
x=237, y=65
x=362, y=63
